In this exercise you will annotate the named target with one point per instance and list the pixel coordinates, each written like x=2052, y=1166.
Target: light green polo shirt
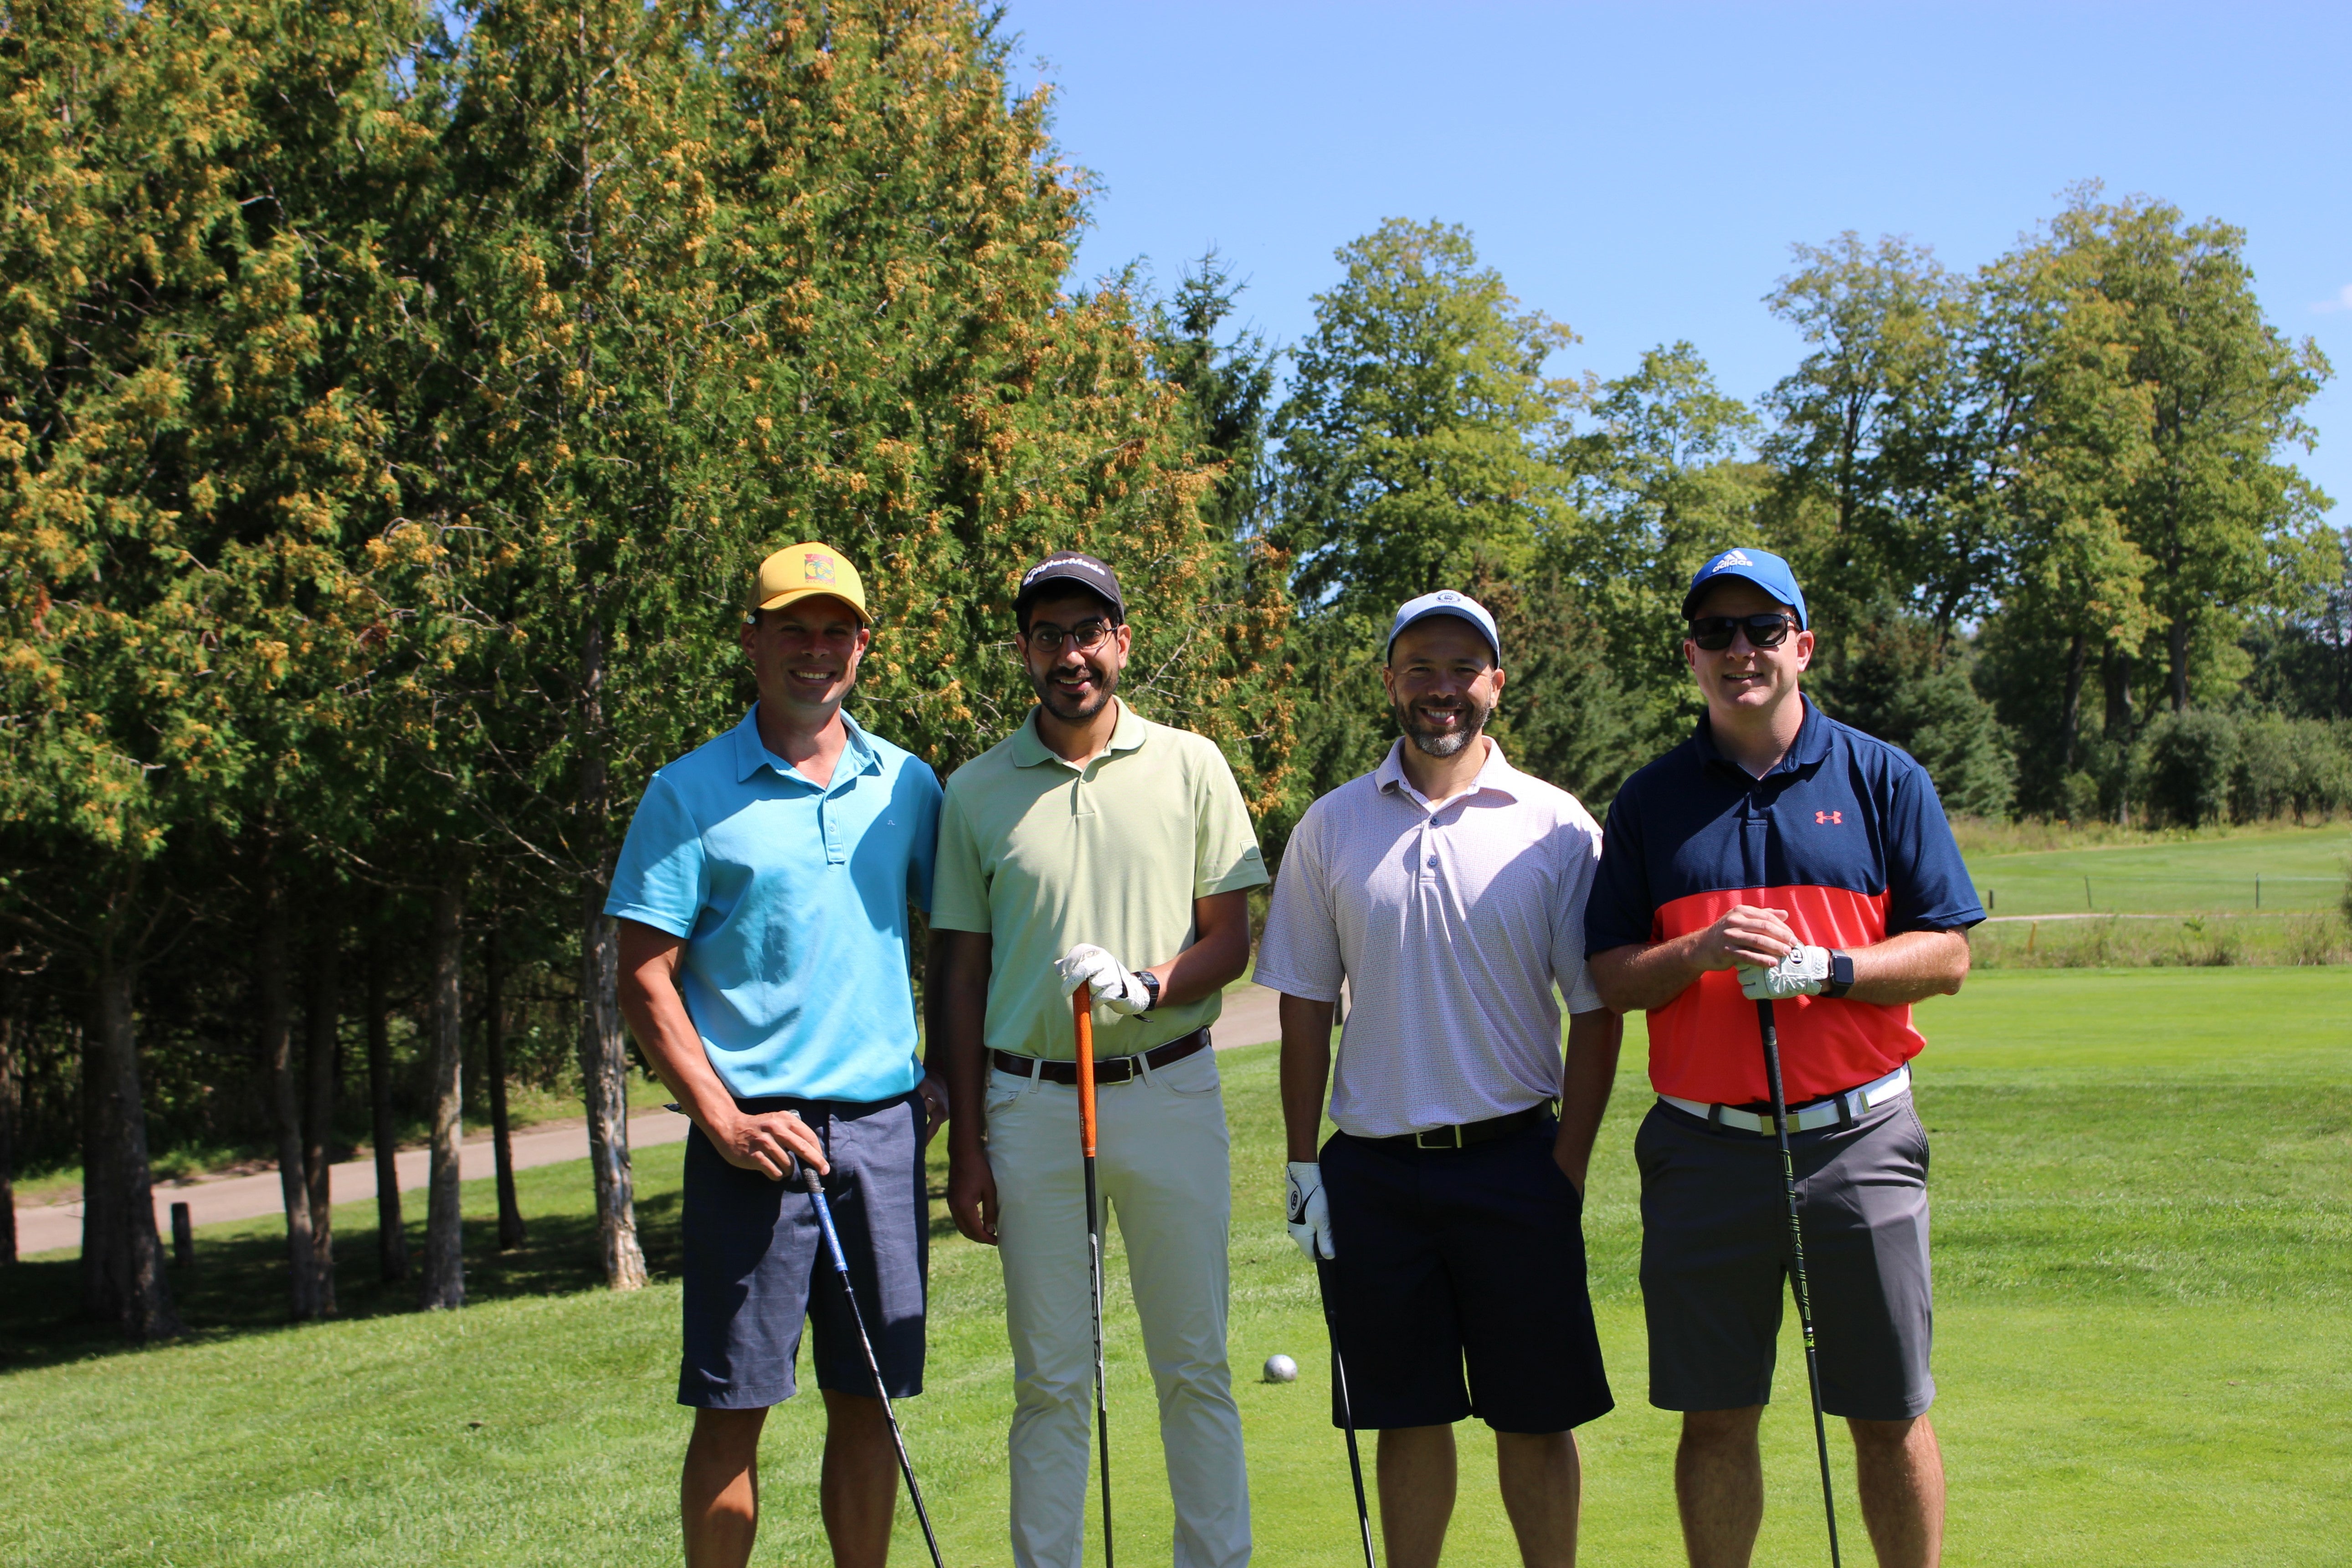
x=1043, y=855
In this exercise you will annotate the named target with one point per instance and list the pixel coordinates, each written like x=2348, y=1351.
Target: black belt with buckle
x=1467, y=1134
x=1110, y=1070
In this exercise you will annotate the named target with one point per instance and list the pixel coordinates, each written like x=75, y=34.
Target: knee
x=1721, y=1430
x=726, y=1440
x=1875, y=1438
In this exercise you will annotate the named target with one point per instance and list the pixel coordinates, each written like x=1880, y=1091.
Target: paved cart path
x=1249, y=1019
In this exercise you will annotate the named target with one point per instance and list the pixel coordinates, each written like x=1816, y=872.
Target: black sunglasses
x=1714, y=633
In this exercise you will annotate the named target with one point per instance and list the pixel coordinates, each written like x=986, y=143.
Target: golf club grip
x=1082, y=1020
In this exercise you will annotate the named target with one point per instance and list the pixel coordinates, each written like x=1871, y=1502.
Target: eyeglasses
x=1714, y=633
x=1086, y=635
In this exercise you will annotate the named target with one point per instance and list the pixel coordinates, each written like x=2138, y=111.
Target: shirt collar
x=751, y=753
x=1029, y=748
x=1811, y=746
x=1496, y=774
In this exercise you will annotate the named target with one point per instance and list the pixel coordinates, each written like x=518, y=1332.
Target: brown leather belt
x=1467, y=1134
x=1109, y=1069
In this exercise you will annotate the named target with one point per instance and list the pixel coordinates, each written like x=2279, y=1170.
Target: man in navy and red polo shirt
x=1774, y=830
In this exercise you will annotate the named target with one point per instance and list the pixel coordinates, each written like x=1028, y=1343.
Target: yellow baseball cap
x=801, y=570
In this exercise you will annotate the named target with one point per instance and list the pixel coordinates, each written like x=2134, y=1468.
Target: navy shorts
x=1461, y=1262
x=756, y=1266
x=1715, y=1260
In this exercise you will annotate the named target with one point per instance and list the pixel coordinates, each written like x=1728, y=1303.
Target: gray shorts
x=756, y=1269
x=1715, y=1252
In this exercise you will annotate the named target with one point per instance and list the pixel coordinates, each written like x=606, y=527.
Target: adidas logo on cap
x=1731, y=558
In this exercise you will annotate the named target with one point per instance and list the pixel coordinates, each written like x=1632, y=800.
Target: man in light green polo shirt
x=1088, y=841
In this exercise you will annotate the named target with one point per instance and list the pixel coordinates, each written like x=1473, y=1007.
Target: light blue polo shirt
x=793, y=901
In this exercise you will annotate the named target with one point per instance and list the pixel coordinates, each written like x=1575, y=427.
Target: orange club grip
x=1081, y=1017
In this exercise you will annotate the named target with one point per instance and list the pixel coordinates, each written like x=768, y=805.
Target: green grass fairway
x=2300, y=867
x=2144, y=1281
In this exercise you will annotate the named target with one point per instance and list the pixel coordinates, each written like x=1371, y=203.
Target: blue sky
x=1640, y=172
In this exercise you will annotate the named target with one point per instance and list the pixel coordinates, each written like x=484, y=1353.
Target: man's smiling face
x=1073, y=682
x=1744, y=676
x=805, y=656
x=1443, y=683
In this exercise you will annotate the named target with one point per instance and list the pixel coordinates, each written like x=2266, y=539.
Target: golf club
x=1347, y=1417
x=1797, y=1252
x=814, y=1185
x=1081, y=1017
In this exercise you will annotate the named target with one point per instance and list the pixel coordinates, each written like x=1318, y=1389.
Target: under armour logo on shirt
x=1826, y=817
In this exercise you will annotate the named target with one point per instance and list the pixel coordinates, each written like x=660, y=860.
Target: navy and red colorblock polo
x=1846, y=834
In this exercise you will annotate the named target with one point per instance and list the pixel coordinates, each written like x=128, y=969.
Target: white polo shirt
x=1450, y=927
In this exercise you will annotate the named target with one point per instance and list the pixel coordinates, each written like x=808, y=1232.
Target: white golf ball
x=1281, y=1369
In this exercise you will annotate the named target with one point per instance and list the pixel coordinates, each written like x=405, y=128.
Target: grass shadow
x=238, y=1284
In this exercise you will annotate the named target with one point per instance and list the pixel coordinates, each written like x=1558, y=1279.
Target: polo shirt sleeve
x=1581, y=850
x=1927, y=884
x=660, y=879
x=1225, y=857
x=923, y=861
x=1620, y=911
x=959, y=880
x=1299, y=955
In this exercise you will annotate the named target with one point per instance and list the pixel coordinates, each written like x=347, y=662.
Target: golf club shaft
x=813, y=1185
x=1347, y=1416
x=1082, y=1020
x=1797, y=1253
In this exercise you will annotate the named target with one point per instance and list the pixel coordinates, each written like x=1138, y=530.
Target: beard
x=1071, y=710
x=1436, y=742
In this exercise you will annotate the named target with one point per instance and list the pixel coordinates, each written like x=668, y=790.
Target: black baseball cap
x=1069, y=566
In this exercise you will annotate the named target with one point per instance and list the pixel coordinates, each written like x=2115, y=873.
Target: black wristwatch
x=1151, y=984
x=1840, y=973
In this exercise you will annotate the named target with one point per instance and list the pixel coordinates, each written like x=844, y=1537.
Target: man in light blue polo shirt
x=763, y=896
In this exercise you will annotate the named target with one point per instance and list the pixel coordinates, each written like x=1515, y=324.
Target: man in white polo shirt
x=1447, y=890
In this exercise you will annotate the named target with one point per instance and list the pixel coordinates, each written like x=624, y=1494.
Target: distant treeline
x=393, y=400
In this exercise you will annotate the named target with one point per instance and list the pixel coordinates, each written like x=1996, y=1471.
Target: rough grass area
x=2190, y=941
x=2298, y=869
x=2145, y=1351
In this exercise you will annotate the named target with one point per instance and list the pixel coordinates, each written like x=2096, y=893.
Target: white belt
x=1836, y=1110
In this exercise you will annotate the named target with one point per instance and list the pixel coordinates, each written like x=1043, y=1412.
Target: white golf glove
x=1804, y=973
x=1117, y=992
x=1310, y=1212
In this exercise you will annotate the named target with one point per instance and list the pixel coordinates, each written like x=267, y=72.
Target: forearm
x=958, y=1015
x=1219, y=953
x=1640, y=976
x=1910, y=967
x=1587, y=1077
x=1305, y=1072
x=656, y=1016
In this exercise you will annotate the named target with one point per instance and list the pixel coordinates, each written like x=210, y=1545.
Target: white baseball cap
x=1444, y=602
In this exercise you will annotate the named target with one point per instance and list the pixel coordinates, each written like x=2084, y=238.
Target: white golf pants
x=1161, y=1168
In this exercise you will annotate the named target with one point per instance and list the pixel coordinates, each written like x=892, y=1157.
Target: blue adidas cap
x=1762, y=567
x=1444, y=602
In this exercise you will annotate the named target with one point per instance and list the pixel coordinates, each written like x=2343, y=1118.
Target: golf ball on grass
x=1281, y=1369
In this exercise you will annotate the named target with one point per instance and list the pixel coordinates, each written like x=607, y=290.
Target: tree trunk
x=2119, y=678
x=324, y=1018
x=7, y=1140
x=391, y=1235
x=120, y=1234
x=2070, y=704
x=97, y=1190
x=494, y=1028
x=2176, y=648
x=603, y=1057
x=444, y=1261
x=286, y=1097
